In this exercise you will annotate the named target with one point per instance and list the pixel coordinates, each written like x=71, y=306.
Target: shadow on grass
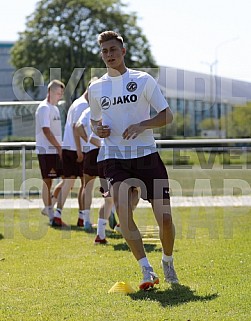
x=109, y=233
x=81, y=229
x=177, y=294
x=113, y=235
x=148, y=247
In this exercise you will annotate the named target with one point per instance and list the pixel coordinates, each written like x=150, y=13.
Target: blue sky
x=183, y=34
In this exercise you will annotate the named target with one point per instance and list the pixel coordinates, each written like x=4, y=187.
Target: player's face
x=112, y=54
x=56, y=95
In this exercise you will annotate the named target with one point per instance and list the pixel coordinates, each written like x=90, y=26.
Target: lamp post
x=213, y=67
x=211, y=85
x=216, y=50
x=221, y=44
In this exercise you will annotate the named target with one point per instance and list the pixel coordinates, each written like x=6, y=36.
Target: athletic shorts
x=104, y=187
x=50, y=165
x=147, y=172
x=90, y=162
x=72, y=168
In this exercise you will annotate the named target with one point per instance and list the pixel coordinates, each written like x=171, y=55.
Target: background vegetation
x=60, y=41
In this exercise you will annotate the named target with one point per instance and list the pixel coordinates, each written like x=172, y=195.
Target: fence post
x=23, y=171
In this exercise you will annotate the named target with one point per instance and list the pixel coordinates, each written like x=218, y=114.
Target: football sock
x=144, y=262
x=81, y=214
x=167, y=258
x=101, y=227
x=86, y=214
x=58, y=213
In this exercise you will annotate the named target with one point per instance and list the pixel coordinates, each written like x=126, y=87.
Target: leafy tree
x=238, y=122
x=179, y=127
x=209, y=124
x=60, y=41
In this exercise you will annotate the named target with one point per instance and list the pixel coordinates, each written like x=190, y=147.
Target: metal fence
x=22, y=149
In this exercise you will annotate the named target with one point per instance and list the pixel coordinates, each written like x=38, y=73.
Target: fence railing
x=196, y=144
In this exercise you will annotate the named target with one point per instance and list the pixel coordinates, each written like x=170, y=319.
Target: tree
x=209, y=124
x=238, y=122
x=181, y=126
x=60, y=41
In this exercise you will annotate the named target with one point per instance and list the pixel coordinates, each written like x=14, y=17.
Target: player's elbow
x=169, y=116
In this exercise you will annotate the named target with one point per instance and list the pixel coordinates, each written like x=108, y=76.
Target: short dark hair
x=54, y=84
x=110, y=35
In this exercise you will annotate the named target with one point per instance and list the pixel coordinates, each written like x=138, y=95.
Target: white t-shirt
x=47, y=115
x=85, y=120
x=122, y=101
x=74, y=112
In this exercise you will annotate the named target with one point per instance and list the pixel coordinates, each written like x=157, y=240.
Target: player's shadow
x=109, y=233
x=113, y=235
x=76, y=228
x=177, y=294
x=148, y=247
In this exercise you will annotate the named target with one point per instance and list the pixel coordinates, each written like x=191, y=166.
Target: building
x=202, y=96
x=9, y=90
x=192, y=94
x=16, y=116
x=6, y=72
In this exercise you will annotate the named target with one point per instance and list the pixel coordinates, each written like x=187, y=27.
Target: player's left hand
x=133, y=131
x=80, y=157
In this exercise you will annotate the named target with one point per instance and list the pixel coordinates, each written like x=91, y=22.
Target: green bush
x=18, y=139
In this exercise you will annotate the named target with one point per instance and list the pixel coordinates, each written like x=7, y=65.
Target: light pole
x=216, y=50
x=213, y=67
x=211, y=85
x=221, y=44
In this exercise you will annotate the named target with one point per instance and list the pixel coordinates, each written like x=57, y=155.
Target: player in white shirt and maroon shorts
x=72, y=160
x=92, y=170
x=49, y=141
x=120, y=113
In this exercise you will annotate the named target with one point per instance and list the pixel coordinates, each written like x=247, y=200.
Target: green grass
x=49, y=274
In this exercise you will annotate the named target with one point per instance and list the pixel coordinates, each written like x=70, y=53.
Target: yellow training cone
x=121, y=287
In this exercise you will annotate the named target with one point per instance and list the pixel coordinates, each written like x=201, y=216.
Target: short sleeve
x=43, y=116
x=154, y=95
x=96, y=113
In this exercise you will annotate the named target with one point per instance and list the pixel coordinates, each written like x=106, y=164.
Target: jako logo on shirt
x=126, y=99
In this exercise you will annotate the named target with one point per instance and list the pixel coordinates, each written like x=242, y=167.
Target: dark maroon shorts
x=90, y=162
x=50, y=165
x=148, y=173
x=72, y=168
x=104, y=187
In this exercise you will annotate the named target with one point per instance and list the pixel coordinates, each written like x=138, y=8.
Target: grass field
x=49, y=274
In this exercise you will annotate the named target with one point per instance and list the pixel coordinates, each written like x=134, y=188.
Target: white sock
x=101, y=228
x=144, y=262
x=58, y=213
x=47, y=208
x=167, y=258
x=86, y=214
x=81, y=214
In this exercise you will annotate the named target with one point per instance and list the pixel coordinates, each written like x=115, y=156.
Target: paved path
x=200, y=201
